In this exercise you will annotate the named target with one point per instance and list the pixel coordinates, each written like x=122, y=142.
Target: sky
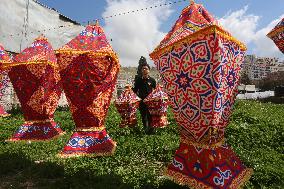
x=137, y=34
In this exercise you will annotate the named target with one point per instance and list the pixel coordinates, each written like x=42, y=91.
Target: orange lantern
x=36, y=81
x=4, y=59
x=277, y=35
x=157, y=103
x=127, y=105
x=88, y=67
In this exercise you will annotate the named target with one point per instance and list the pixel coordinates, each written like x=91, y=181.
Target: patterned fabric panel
x=279, y=26
x=36, y=81
x=39, y=52
x=159, y=121
x=4, y=84
x=4, y=57
x=91, y=39
x=95, y=143
x=88, y=83
x=127, y=105
x=218, y=168
x=127, y=112
x=37, y=84
x=192, y=19
x=127, y=96
x=88, y=78
x=88, y=68
x=200, y=74
x=37, y=131
x=157, y=94
x=157, y=103
x=277, y=35
x=201, y=80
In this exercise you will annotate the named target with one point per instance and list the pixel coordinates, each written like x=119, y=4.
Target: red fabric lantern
x=200, y=66
x=157, y=103
x=88, y=67
x=127, y=105
x=277, y=35
x=4, y=59
x=36, y=82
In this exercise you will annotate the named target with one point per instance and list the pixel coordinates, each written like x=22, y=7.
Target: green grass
x=256, y=133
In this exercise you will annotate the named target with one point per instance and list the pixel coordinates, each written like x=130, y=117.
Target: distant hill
x=128, y=73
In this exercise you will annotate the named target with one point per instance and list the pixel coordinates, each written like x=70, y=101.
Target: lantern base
x=37, y=131
x=207, y=168
x=89, y=143
x=3, y=113
x=128, y=122
x=159, y=121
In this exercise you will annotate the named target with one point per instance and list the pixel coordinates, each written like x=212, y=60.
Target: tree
x=272, y=80
x=245, y=79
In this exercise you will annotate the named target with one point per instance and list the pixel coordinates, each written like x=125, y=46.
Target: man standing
x=143, y=86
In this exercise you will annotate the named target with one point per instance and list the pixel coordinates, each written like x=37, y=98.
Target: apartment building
x=258, y=68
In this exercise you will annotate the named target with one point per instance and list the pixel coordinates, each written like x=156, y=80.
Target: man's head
x=145, y=70
x=142, y=62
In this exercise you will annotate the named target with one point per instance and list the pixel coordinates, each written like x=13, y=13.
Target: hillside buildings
x=257, y=68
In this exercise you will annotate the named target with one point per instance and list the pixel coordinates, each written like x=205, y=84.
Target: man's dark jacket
x=143, y=87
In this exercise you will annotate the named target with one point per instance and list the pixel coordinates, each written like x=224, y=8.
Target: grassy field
x=256, y=133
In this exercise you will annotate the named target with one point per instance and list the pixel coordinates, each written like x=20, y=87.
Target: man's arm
x=154, y=83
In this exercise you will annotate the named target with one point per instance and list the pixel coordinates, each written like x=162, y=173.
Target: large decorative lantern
x=88, y=68
x=4, y=60
x=157, y=103
x=200, y=63
x=127, y=105
x=277, y=35
x=36, y=82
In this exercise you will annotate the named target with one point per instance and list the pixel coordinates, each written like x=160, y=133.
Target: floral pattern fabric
x=157, y=103
x=36, y=81
x=88, y=67
x=277, y=35
x=200, y=71
x=127, y=105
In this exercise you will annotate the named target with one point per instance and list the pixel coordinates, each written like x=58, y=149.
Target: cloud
x=243, y=26
x=135, y=34
x=265, y=46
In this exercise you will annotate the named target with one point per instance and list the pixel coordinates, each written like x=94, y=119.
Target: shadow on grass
x=19, y=172
x=273, y=99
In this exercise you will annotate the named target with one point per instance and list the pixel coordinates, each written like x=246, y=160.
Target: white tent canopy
x=23, y=19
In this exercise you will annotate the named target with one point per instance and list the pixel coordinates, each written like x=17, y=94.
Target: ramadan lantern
x=4, y=60
x=157, y=103
x=200, y=66
x=127, y=105
x=88, y=67
x=277, y=35
x=36, y=82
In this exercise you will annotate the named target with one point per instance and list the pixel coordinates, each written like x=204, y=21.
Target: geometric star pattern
x=200, y=63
